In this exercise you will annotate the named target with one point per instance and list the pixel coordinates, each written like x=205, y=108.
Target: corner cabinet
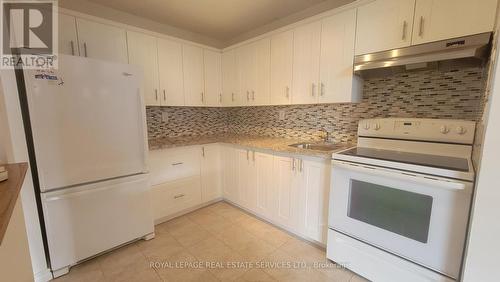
x=213, y=78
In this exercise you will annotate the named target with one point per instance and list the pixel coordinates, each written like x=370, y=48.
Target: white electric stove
x=399, y=201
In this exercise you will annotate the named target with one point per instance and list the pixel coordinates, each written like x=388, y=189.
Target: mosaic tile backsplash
x=455, y=94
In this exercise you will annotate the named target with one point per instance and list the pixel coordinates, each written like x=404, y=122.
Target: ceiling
x=221, y=20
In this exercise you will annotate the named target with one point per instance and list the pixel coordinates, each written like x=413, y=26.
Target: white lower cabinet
x=289, y=191
x=210, y=172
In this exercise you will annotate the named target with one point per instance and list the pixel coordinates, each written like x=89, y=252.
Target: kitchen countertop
x=9, y=192
x=259, y=142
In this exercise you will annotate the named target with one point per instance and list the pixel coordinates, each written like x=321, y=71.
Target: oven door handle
x=444, y=183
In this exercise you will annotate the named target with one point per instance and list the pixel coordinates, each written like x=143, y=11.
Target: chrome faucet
x=326, y=135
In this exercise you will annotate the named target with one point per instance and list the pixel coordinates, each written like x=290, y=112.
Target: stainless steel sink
x=316, y=146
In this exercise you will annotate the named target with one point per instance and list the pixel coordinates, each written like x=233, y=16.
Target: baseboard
x=43, y=276
x=186, y=211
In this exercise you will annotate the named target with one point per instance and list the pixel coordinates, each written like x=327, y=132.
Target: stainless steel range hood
x=476, y=47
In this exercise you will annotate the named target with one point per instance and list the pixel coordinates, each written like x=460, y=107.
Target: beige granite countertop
x=251, y=141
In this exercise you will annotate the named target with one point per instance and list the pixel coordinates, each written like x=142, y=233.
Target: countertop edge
x=213, y=140
x=9, y=193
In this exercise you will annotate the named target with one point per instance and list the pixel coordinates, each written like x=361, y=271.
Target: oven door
x=420, y=218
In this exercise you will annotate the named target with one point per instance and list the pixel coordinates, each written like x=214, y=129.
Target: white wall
x=481, y=262
x=12, y=142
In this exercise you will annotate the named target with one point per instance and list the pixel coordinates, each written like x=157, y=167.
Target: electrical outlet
x=164, y=117
x=281, y=115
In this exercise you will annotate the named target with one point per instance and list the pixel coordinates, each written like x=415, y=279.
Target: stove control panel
x=435, y=130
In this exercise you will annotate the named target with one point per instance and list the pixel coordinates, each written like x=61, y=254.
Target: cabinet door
x=192, y=59
x=384, y=25
x=337, y=82
x=210, y=172
x=212, y=71
x=263, y=188
x=261, y=67
x=230, y=173
x=229, y=78
x=245, y=57
x=170, y=71
x=285, y=194
x=101, y=41
x=306, y=52
x=68, y=39
x=281, y=68
x=313, y=199
x=244, y=176
x=443, y=19
x=142, y=51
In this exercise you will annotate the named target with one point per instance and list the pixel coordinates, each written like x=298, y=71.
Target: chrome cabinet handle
x=301, y=167
x=248, y=95
x=293, y=164
x=253, y=95
x=202, y=97
x=313, y=86
x=232, y=97
x=220, y=98
x=403, y=37
x=175, y=164
x=322, y=90
x=248, y=158
x=253, y=156
x=287, y=92
x=72, y=47
x=421, y=28
x=164, y=95
x=179, y=196
x=203, y=151
x=85, y=49
x=156, y=94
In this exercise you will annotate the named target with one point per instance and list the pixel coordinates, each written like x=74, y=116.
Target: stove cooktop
x=435, y=161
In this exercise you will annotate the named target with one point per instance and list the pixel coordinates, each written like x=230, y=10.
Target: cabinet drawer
x=175, y=196
x=174, y=164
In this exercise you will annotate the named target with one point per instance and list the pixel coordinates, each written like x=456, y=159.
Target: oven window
x=405, y=213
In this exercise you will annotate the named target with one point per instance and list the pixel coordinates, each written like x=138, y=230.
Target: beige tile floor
x=216, y=243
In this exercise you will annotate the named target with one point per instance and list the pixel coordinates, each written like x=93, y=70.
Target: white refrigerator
x=89, y=133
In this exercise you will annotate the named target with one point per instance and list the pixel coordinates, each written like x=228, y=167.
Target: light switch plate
x=281, y=115
x=164, y=117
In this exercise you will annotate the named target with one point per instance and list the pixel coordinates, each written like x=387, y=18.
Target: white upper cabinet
x=68, y=39
x=229, y=78
x=101, y=41
x=443, y=19
x=210, y=172
x=337, y=82
x=192, y=59
x=306, y=56
x=213, y=79
x=142, y=51
x=384, y=25
x=170, y=72
x=281, y=68
x=261, y=67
